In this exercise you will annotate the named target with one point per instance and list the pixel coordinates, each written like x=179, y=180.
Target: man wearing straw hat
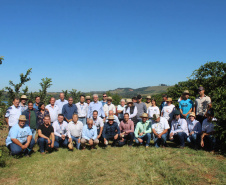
x=131, y=110
x=143, y=131
x=148, y=102
x=20, y=138
x=88, y=100
x=109, y=106
x=167, y=111
x=185, y=105
x=23, y=100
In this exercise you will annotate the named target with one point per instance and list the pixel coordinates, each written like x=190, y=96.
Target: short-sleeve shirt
x=153, y=110
x=120, y=115
x=46, y=131
x=207, y=127
x=13, y=113
x=161, y=125
x=98, y=122
x=185, y=106
x=201, y=105
x=168, y=111
x=16, y=132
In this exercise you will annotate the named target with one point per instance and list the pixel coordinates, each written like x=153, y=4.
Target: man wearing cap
x=69, y=109
x=19, y=139
x=46, y=131
x=89, y=135
x=74, y=131
x=36, y=104
x=109, y=106
x=126, y=131
x=131, y=110
x=95, y=105
x=179, y=129
x=111, y=113
x=120, y=109
x=143, y=130
x=23, y=100
x=53, y=109
x=61, y=102
x=82, y=108
x=104, y=101
x=194, y=129
x=185, y=105
x=164, y=98
x=13, y=113
x=98, y=122
x=160, y=129
x=111, y=131
x=88, y=100
x=60, y=132
x=32, y=117
x=201, y=105
x=148, y=102
x=208, y=141
x=167, y=111
x=141, y=107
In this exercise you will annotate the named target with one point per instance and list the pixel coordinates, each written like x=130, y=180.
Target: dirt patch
x=11, y=180
x=3, y=134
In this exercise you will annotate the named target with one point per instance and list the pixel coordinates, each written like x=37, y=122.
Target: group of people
x=65, y=124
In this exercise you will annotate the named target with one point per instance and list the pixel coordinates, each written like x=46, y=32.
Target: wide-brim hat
x=192, y=114
x=186, y=92
x=22, y=118
x=144, y=115
x=87, y=97
x=129, y=101
x=148, y=97
x=109, y=98
x=70, y=146
x=23, y=97
x=169, y=99
x=111, y=118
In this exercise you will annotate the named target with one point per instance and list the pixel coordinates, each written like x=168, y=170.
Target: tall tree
x=45, y=84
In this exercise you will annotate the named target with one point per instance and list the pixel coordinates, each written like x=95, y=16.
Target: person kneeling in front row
x=44, y=133
x=20, y=138
x=89, y=135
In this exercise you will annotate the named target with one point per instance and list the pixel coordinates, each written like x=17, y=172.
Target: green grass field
x=124, y=165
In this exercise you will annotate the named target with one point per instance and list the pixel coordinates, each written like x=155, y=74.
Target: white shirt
x=161, y=125
x=179, y=125
x=207, y=127
x=98, y=122
x=53, y=112
x=75, y=129
x=60, y=129
x=107, y=108
x=152, y=110
x=128, y=111
x=60, y=104
x=82, y=109
x=13, y=114
x=168, y=111
x=120, y=115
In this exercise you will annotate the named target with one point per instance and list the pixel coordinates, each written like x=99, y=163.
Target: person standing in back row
x=61, y=102
x=141, y=107
x=69, y=109
x=185, y=105
x=82, y=109
x=53, y=110
x=148, y=102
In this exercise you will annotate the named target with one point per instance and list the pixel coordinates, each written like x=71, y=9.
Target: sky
x=100, y=45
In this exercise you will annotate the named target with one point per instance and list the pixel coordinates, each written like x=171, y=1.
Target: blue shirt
x=35, y=106
x=110, y=130
x=194, y=126
x=185, y=106
x=96, y=106
x=16, y=132
x=89, y=133
x=69, y=110
x=103, y=103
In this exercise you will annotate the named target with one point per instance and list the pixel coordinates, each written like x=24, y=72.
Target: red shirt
x=126, y=126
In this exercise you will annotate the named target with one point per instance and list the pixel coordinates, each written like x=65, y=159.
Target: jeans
x=209, y=142
x=16, y=149
x=146, y=137
x=33, y=133
x=129, y=137
x=194, y=139
x=83, y=120
x=157, y=141
x=60, y=142
x=42, y=142
x=180, y=138
x=75, y=139
x=111, y=138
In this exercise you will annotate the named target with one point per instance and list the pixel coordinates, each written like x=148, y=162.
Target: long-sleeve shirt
x=107, y=108
x=89, y=133
x=194, y=126
x=127, y=110
x=141, y=108
x=143, y=127
x=110, y=130
x=60, y=129
x=53, y=112
x=75, y=129
x=96, y=106
x=60, y=104
x=179, y=125
x=69, y=110
x=207, y=127
x=126, y=127
x=82, y=109
x=116, y=120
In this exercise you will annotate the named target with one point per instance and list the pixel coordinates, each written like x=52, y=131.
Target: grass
x=124, y=165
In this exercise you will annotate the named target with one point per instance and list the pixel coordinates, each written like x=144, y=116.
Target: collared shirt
x=141, y=108
x=179, y=125
x=201, y=105
x=207, y=127
x=98, y=122
x=194, y=126
x=126, y=126
x=116, y=120
x=75, y=129
x=16, y=132
x=69, y=110
x=35, y=106
x=168, y=112
x=107, y=108
x=110, y=130
x=120, y=115
x=60, y=104
x=148, y=104
x=89, y=133
x=23, y=107
x=53, y=112
x=60, y=129
x=82, y=109
x=127, y=110
x=152, y=110
x=13, y=113
x=96, y=106
x=161, y=125
x=143, y=127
